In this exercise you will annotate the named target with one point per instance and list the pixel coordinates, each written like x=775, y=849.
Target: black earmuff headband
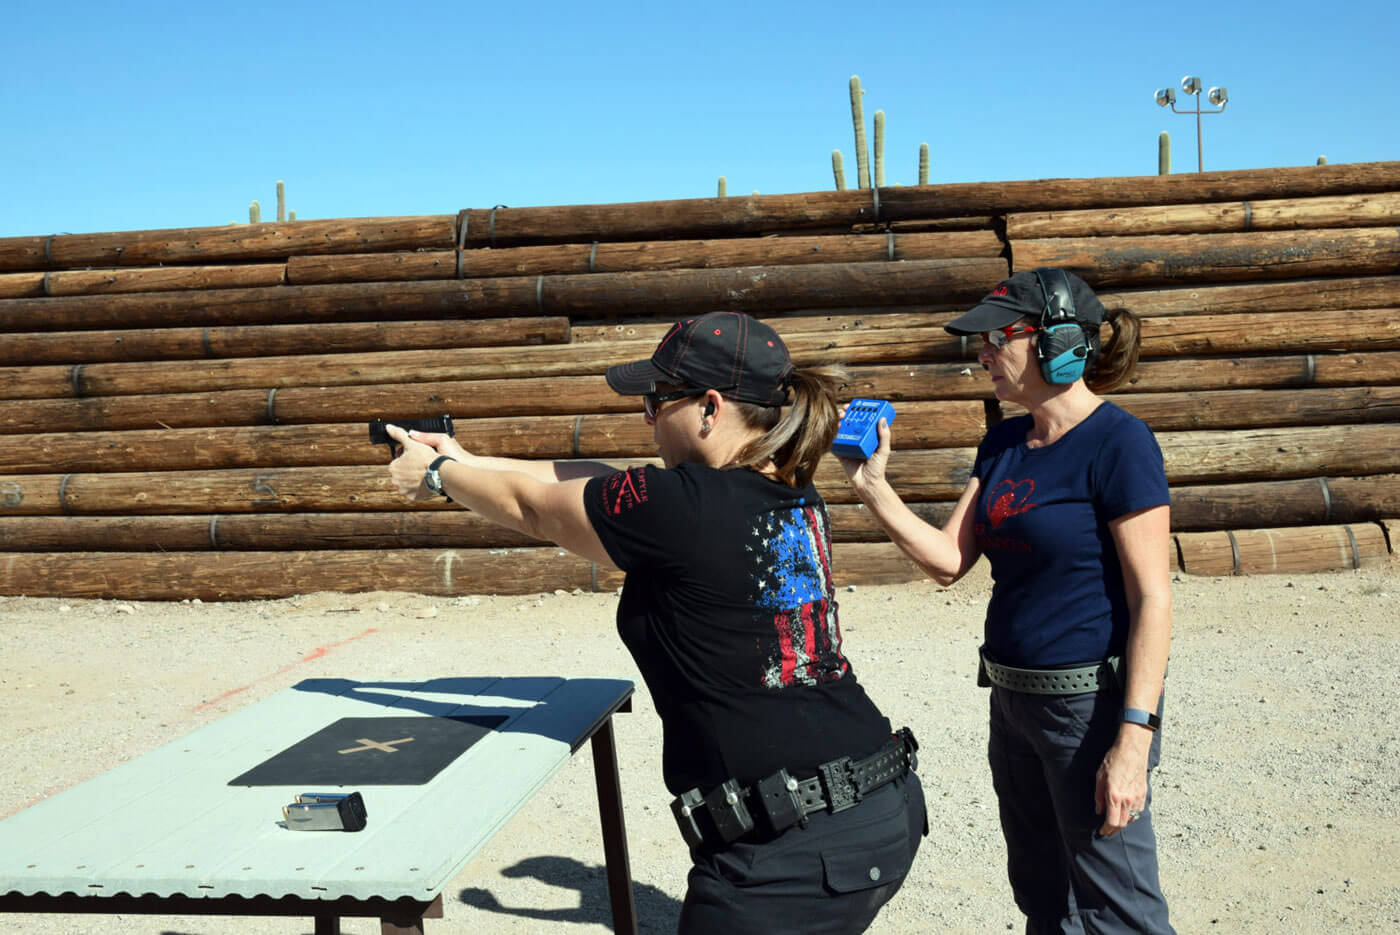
x=1059, y=298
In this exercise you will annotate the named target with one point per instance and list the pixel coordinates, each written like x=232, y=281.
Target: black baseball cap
x=1020, y=296
x=727, y=351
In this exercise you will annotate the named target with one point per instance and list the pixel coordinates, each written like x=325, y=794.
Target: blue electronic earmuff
x=1063, y=348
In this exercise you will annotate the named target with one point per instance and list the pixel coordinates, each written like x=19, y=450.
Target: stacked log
x=185, y=410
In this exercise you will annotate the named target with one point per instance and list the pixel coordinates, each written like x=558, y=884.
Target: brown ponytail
x=1118, y=358
x=795, y=436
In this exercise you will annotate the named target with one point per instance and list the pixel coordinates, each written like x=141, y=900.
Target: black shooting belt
x=780, y=801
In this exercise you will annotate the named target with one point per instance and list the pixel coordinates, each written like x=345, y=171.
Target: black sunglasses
x=652, y=401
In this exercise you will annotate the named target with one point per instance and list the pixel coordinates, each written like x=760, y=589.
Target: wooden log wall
x=184, y=411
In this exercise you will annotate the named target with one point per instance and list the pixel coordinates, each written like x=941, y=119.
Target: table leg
x=624, y=907
x=327, y=924
x=401, y=926
x=410, y=923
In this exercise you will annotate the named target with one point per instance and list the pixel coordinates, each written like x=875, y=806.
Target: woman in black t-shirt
x=800, y=807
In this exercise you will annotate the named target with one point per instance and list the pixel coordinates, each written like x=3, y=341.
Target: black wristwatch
x=1139, y=716
x=432, y=479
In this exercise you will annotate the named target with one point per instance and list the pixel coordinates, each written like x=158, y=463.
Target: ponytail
x=1116, y=361
x=794, y=436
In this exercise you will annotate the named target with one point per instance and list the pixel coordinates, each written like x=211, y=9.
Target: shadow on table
x=656, y=911
x=556, y=719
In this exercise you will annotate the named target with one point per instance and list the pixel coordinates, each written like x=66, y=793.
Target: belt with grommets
x=727, y=812
x=1065, y=680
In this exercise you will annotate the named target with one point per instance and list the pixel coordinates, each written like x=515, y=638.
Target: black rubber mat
x=372, y=751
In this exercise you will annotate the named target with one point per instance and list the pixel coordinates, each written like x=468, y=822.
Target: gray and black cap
x=727, y=351
x=1020, y=296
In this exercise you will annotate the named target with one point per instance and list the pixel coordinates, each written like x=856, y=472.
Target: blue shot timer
x=858, y=435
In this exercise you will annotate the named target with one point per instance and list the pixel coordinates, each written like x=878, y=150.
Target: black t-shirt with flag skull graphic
x=729, y=611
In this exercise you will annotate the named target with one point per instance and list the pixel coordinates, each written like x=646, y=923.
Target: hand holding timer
x=858, y=435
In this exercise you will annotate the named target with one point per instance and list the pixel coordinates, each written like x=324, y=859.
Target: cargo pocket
x=852, y=869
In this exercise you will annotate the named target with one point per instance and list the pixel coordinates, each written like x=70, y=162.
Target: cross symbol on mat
x=387, y=746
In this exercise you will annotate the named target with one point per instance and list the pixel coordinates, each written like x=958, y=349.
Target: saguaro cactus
x=864, y=175
x=255, y=209
x=1164, y=154
x=838, y=169
x=723, y=187
x=858, y=120
x=879, y=149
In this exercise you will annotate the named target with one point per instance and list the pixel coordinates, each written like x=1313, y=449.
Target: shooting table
x=196, y=828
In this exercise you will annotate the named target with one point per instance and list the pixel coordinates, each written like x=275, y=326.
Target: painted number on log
x=260, y=485
x=447, y=559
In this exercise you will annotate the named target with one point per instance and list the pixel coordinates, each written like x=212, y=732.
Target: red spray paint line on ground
x=316, y=653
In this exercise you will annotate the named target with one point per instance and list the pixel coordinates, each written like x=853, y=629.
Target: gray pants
x=1044, y=752
x=831, y=877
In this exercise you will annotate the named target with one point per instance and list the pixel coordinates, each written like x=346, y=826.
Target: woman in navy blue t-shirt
x=1070, y=505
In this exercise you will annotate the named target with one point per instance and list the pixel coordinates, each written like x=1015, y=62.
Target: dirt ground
x=1274, y=804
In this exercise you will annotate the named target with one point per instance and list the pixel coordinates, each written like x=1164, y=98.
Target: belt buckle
x=841, y=792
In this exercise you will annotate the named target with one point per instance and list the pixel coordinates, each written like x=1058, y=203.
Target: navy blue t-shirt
x=1042, y=518
x=729, y=610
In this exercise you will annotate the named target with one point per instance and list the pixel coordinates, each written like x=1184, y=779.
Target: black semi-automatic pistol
x=377, y=435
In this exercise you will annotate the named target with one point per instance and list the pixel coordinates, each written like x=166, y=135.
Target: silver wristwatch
x=432, y=479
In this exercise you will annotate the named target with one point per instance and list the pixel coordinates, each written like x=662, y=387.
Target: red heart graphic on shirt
x=1009, y=498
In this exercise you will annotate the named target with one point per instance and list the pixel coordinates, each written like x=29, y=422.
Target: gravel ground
x=1273, y=804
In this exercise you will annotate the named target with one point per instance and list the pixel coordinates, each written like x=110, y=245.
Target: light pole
x=1192, y=85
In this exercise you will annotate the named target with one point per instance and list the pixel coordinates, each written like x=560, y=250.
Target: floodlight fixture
x=1191, y=84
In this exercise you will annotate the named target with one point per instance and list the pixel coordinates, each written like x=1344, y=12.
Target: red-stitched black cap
x=726, y=351
x=1020, y=296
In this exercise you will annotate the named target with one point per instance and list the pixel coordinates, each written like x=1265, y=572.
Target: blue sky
x=147, y=115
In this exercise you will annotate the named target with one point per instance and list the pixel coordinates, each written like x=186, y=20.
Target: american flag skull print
x=791, y=553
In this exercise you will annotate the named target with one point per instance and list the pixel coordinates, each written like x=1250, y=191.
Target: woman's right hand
x=443, y=444
x=865, y=474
